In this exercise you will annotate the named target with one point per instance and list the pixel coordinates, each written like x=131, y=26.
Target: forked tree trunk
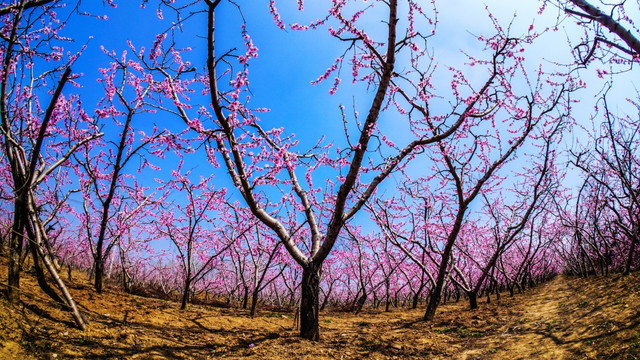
x=42, y=282
x=77, y=316
x=39, y=237
x=310, y=302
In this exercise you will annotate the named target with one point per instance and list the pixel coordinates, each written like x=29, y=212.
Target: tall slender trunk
x=310, y=302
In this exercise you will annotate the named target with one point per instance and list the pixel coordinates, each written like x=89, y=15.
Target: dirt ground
x=567, y=318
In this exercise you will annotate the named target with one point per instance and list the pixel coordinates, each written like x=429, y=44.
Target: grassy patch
x=467, y=332
x=444, y=330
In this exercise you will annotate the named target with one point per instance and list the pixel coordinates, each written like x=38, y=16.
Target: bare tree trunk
x=436, y=293
x=42, y=282
x=473, y=299
x=245, y=298
x=15, y=254
x=254, y=302
x=416, y=299
x=309, y=302
x=38, y=240
x=387, y=296
x=185, y=293
x=16, y=244
x=99, y=274
x=434, y=301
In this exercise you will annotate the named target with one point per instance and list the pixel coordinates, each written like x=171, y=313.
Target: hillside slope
x=570, y=318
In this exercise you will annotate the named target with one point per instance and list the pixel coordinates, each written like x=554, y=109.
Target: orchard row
x=455, y=170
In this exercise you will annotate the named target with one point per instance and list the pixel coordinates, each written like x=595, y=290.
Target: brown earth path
x=569, y=318
x=566, y=318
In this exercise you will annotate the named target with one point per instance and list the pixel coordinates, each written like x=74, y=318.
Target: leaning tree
x=41, y=128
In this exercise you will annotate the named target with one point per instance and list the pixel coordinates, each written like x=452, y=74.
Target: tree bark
x=254, y=302
x=473, y=299
x=42, y=282
x=436, y=292
x=309, y=302
x=16, y=244
x=416, y=299
x=15, y=254
x=434, y=301
x=245, y=298
x=99, y=273
x=185, y=294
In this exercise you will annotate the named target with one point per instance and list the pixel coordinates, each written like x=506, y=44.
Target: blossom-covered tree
x=37, y=139
x=278, y=181
x=112, y=197
x=193, y=229
x=610, y=45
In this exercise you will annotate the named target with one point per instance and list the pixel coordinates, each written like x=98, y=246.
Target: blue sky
x=289, y=61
